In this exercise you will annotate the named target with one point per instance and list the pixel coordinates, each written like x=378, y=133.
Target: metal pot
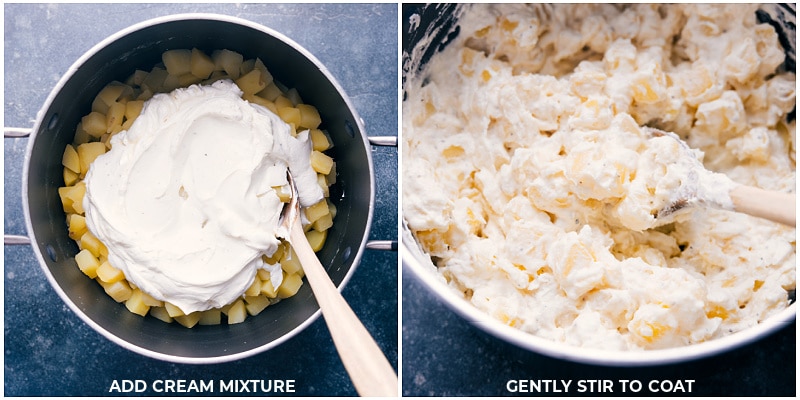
x=140, y=46
x=430, y=28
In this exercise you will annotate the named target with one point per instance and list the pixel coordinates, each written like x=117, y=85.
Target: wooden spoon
x=705, y=188
x=369, y=370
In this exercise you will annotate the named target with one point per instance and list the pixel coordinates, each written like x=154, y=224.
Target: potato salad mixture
x=531, y=179
x=175, y=182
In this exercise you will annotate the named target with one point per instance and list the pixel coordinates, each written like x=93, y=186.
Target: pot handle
x=383, y=140
x=11, y=133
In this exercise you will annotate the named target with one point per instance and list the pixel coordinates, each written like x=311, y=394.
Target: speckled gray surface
x=51, y=352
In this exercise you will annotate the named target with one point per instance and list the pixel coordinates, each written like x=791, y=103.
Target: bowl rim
x=411, y=258
x=40, y=123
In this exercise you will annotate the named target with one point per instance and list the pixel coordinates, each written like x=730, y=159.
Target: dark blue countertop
x=51, y=352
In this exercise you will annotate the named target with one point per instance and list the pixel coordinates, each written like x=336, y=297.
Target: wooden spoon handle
x=774, y=206
x=370, y=371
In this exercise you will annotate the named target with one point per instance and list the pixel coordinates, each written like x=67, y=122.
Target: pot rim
x=40, y=123
x=413, y=260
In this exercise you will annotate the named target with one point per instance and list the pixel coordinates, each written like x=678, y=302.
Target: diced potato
x=151, y=301
x=133, y=108
x=317, y=211
x=331, y=177
x=277, y=255
x=322, y=182
x=333, y=210
x=284, y=195
x=172, y=82
x=237, y=313
x=316, y=238
x=319, y=140
x=290, y=263
x=201, y=64
x=110, y=93
x=70, y=159
x=291, y=284
x=119, y=291
x=309, y=116
x=321, y=162
x=72, y=197
x=94, y=124
x=87, y=263
x=160, y=313
x=87, y=153
x=137, y=78
x=190, y=320
x=93, y=244
x=173, y=310
x=262, y=102
x=77, y=226
x=265, y=74
x=70, y=178
x=228, y=61
x=210, y=317
x=268, y=290
x=283, y=102
x=135, y=304
x=177, y=61
x=290, y=115
x=252, y=82
x=256, y=304
x=81, y=136
x=323, y=223
x=254, y=289
x=107, y=273
x=154, y=80
x=271, y=92
x=116, y=112
x=247, y=66
x=294, y=96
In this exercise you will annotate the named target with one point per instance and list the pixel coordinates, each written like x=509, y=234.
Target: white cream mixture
x=185, y=199
x=531, y=180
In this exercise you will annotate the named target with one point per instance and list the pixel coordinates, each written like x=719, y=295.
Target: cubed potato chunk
x=107, y=273
x=210, y=317
x=133, y=108
x=320, y=140
x=94, y=124
x=154, y=80
x=228, y=61
x=321, y=162
x=237, y=313
x=114, y=117
x=201, y=64
x=87, y=263
x=151, y=301
x=70, y=177
x=317, y=211
x=119, y=291
x=70, y=159
x=160, y=313
x=290, y=263
x=268, y=290
x=294, y=96
x=173, y=310
x=309, y=116
x=76, y=225
x=93, y=244
x=177, y=61
x=255, y=304
x=254, y=289
x=290, y=115
x=135, y=304
x=291, y=284
x=72, y=197
x=271, y=92
x=323, y=223
x=276, y=256
x=316, y=238
x=87, y=153
x=190, y=320
x=251, y=82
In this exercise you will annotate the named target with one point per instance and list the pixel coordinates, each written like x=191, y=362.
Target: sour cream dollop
x=185, y=199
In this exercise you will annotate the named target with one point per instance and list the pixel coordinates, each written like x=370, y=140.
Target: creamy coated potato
x=530, y=181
